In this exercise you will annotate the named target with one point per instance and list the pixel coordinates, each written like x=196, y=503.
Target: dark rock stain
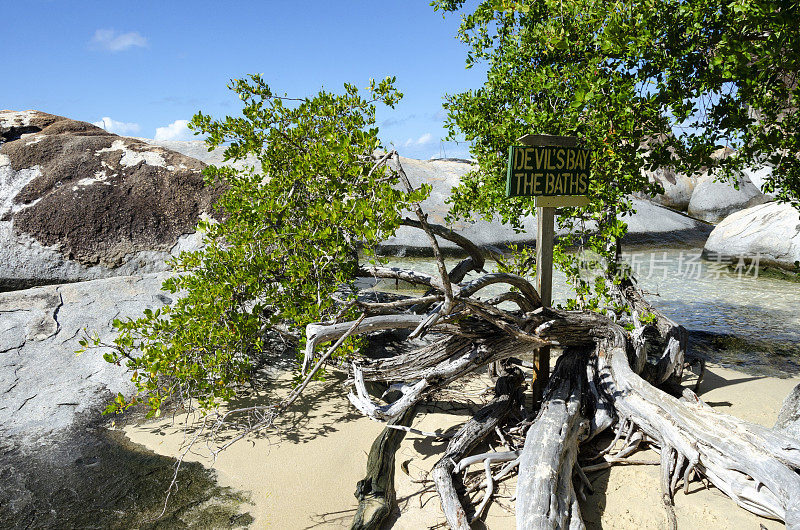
x=136, y=208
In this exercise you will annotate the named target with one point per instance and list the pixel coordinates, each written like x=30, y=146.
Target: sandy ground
x=306, y=476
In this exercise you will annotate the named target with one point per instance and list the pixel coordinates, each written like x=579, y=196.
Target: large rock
x=77, y=202
x=770, y=232
x=759, y=176
x=713, y=200
x=199, y=150
x=651, y=225
x=46, y=387
x=654, y=225
x=678, y=188
x=61, y=466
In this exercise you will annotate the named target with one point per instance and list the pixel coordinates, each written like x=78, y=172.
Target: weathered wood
x=665, y=339
x=474, y=262
x=394, y=307
x=748, y=467
x=514, y=280
x=317, y=333
x=496, y=346
x=756, y=467
x=541, y=372
x=408, y=365
x=376, y=492
x=546, y=496
x=789, y=416
x=508, y=394
x=511, y=296
x=545, y=236
x=604, y=414
x=560, y=201
x=396, y=273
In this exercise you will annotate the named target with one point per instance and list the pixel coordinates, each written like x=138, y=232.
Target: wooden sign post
x=555, y=171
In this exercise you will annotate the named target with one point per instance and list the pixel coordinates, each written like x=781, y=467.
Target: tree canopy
x=286, y=240
x=676, y=79
x=645, y=84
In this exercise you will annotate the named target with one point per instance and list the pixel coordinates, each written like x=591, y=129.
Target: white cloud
x=110, y=40
x=425, y=139
x=177, y=130
x=422, y=140
x=116, y=127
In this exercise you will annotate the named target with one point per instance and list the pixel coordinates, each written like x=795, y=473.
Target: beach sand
x=304, y=475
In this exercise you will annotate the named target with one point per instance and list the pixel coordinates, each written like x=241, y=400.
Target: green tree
x=286, y=241
x=545, y=77
x=643, y=83
x=727, y=74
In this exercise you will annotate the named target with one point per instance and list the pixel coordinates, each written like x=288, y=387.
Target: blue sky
x=143, y=68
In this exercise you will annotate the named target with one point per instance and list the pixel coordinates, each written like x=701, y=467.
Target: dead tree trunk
x=375, y=492
x=546, y=496
x=755, y=466
x=508, y=394
x=789, y=416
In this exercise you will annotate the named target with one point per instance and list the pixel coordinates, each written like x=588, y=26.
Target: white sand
x=306, y=478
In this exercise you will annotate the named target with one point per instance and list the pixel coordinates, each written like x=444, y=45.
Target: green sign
x=547, y=171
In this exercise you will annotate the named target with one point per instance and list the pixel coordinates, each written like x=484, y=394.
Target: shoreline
x=305, y=475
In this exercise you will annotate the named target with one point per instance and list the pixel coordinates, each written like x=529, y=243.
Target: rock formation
x=767, y=232
x=46, y=387
x=678, y=188
x=78, y=203
x=713, y=200
x=651, y=224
